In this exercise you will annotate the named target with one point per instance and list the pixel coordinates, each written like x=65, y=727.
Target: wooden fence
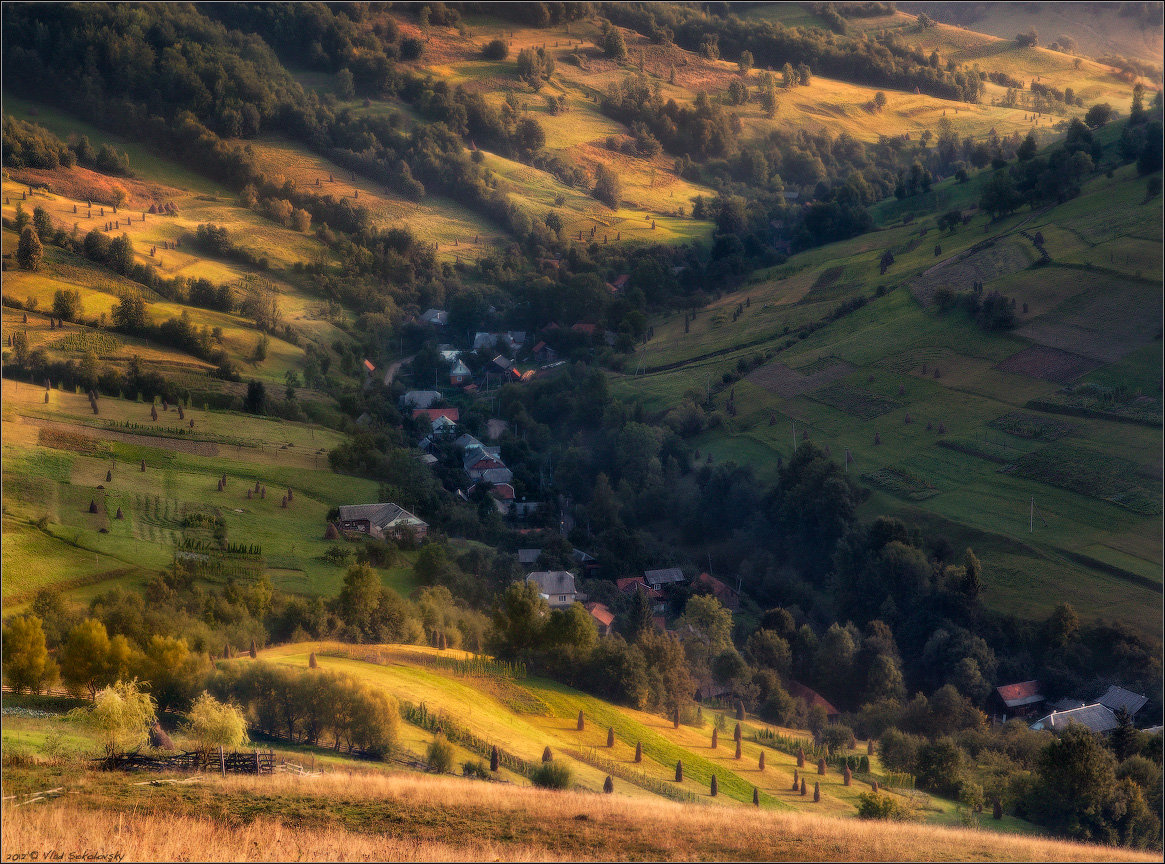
x=255, y=762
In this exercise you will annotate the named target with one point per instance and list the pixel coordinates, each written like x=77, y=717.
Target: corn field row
x=637, y=778
x=419, y=715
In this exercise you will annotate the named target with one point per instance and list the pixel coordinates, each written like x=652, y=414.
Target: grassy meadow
x=883, y=381
x=57, y=455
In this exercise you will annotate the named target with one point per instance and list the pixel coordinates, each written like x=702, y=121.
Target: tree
x=359, y=598
x=973, y=581
x=496, y=49
x=613, y=44
x=518, y=621
x=85, y=658
x=1098, y=115
x=29, y=252
x=256, y=399
x=608, y=187
x=999, y=196
x=1137, y=112
x=1075, y=787
x=880, y=100
x=1062, y=625
x=27, y=665
x=1030, y=39
x=216, y=724
x=122, y=714
x=130, y=312
x=42, y=223
x=744, y=64
x=67, y=303
x=345, y=85
x=765, y=648
x=1028, y=148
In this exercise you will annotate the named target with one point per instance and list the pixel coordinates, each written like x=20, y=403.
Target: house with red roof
x=728, y=597
x=433, y=413
x=586, y=329
x=604, y=617
x=618, y=283
x=1017, y=700
x=812, y=697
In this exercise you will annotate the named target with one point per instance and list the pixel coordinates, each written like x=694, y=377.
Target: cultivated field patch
x=854, y=400
x=1096, y=475
x=786, y=382
x=900, y=482
x=997, y=257
x=1048, y=364
x=1033, y=426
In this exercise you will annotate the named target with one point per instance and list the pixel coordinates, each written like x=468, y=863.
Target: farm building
x=420, y=399
x=543, y=353
x=528, y=559
x=436, y=317
x=1116, y=698
x=660, y=578
x=380, y=520
x=812, y=697
x=557, y=586
x=604, y=617
x=728, y=597
x=1096, y=717
x=1017, y=700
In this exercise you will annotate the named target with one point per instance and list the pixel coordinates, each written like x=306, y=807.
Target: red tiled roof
x=600, y=613
x=539, y=347
x=812, y=697
x=659, y=621
x=368, y=365
x=502, y=491
x=580, y=327
x=1023, y=690
x=433, y=413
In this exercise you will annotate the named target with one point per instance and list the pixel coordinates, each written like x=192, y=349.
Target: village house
x=619, y=283
x=812, y=697
x=1017, y=700
x=728, y=597
x=1098, y=718
x=420, y=399
x=436, y=317
x=661, y=579
x=381, y=520
x=459, y=374
x=1116, y=698
x=557, y=586
x=528, y=559
x=604, y=617
x=543, y=353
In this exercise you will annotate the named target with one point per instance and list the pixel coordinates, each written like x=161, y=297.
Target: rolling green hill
x=883, y=381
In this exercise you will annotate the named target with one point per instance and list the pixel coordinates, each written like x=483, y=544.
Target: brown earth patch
x=81, y=184
x=786, y=382
x=1048, y=364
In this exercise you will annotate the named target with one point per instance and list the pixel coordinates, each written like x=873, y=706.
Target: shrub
x=876, y=805
x=122, y=715
x=441, y=755
x=496, y=49
x=214, y=724
x=552, y=775
x=474, y=768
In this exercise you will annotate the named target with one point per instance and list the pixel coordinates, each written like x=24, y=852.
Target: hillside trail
x=394, y=368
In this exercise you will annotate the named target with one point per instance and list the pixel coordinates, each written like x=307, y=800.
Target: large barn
x=381, y=520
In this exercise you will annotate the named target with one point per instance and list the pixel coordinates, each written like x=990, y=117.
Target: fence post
x=256, y=763
x=222, y=761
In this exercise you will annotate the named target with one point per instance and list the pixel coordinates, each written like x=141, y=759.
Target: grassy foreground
x=340, y=816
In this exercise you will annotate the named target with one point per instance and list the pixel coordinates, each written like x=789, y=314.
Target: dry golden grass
x=348, y=816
